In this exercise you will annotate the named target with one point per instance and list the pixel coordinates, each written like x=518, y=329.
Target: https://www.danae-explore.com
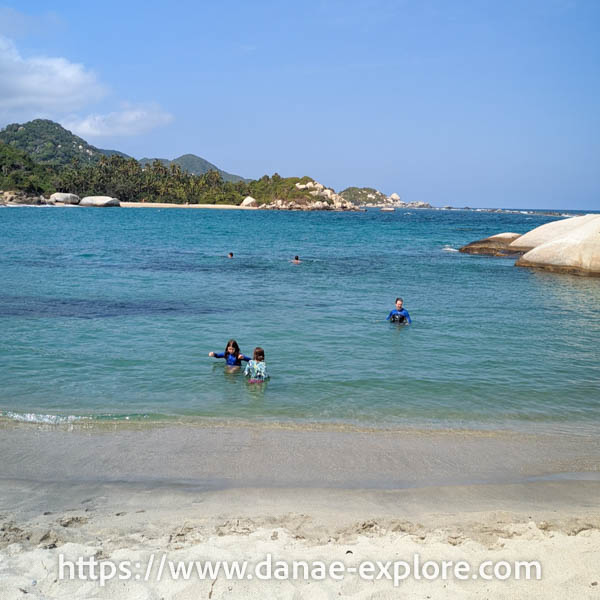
x=159, y=567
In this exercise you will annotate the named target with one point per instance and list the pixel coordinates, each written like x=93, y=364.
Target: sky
x=465, y=103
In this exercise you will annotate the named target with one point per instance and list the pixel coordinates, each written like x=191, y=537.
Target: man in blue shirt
x=399, y=314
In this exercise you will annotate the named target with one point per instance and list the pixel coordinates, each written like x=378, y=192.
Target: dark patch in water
x=80, y=308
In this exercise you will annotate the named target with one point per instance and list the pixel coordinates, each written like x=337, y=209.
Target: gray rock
x=549, y=231
x=249, y=201
x=495, y=245
x=64, y=198
x=577, y=251
x=99, y=201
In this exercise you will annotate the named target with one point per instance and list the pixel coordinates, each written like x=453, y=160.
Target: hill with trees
x=47, y=142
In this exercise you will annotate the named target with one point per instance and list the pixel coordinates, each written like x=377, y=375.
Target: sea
x=108, y=315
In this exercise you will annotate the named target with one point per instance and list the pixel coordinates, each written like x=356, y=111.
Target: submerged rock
x=577, y=251
x=99, y=201
x=495, y=245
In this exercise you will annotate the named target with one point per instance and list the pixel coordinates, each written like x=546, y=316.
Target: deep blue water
x=111, y=313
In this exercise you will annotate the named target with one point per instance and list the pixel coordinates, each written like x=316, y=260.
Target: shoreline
x=172, y=205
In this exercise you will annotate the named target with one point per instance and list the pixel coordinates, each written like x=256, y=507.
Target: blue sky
x=474, y=103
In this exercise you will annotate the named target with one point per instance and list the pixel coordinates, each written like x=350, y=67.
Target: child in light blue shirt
x=256, y=369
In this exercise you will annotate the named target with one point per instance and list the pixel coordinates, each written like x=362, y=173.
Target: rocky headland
x=372, y=198
x=323, y=198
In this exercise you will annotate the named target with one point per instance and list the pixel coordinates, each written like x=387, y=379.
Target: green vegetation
x=43, y=157
x=19, y=172
x=363, y=195
x=49, y=143
x=128, y=181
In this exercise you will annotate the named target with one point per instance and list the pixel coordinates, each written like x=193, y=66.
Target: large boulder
x=394, y=197
x=63, y=198
x=549, y=231
x=99, y=201
x=250, y=202
x=495, y=245
x=577, y=251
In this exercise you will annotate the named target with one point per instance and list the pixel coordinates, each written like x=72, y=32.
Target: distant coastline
x=173, y=205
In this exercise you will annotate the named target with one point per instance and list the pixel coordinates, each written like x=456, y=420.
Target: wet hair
x=296, y=257
x=235, y=346
x=230, y=255
x=400, y=300
x=259, y=354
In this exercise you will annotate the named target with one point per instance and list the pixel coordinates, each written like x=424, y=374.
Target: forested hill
x=194, y=165
x=47, y=142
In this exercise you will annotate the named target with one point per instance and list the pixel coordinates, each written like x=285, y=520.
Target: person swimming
x=399, y=314
x=232, y=355
x=256, y=369
x=296, y=260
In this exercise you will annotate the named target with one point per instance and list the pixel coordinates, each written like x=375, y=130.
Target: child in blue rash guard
x=256, y=369
x=232, y=355
x=399, y=314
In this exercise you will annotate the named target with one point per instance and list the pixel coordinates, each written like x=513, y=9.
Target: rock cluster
x=324, y=199
x=569, y=246
x=13, y=198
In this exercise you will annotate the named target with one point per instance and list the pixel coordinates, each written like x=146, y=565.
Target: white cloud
x=130, y=120
x=43, y=86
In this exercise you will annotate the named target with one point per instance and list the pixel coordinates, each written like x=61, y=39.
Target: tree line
x=129, y=181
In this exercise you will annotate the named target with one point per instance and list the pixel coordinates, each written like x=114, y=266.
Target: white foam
x=36, y=418
x=447, y=248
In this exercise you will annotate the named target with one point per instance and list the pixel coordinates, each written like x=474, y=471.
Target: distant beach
x=173, y=205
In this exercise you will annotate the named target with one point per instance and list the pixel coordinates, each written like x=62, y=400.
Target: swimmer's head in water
x=259, y=354
x=230, y=255
x=399, y=303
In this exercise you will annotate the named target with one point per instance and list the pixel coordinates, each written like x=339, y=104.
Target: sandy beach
x=198, y=493
x=173, y=205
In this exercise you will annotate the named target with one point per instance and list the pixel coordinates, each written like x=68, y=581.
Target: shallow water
x=111, y=314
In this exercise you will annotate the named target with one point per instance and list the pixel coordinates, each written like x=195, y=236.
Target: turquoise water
x=111, y=314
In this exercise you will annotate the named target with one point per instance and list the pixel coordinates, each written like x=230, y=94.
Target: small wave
x=447, y=248
x=36, y=418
